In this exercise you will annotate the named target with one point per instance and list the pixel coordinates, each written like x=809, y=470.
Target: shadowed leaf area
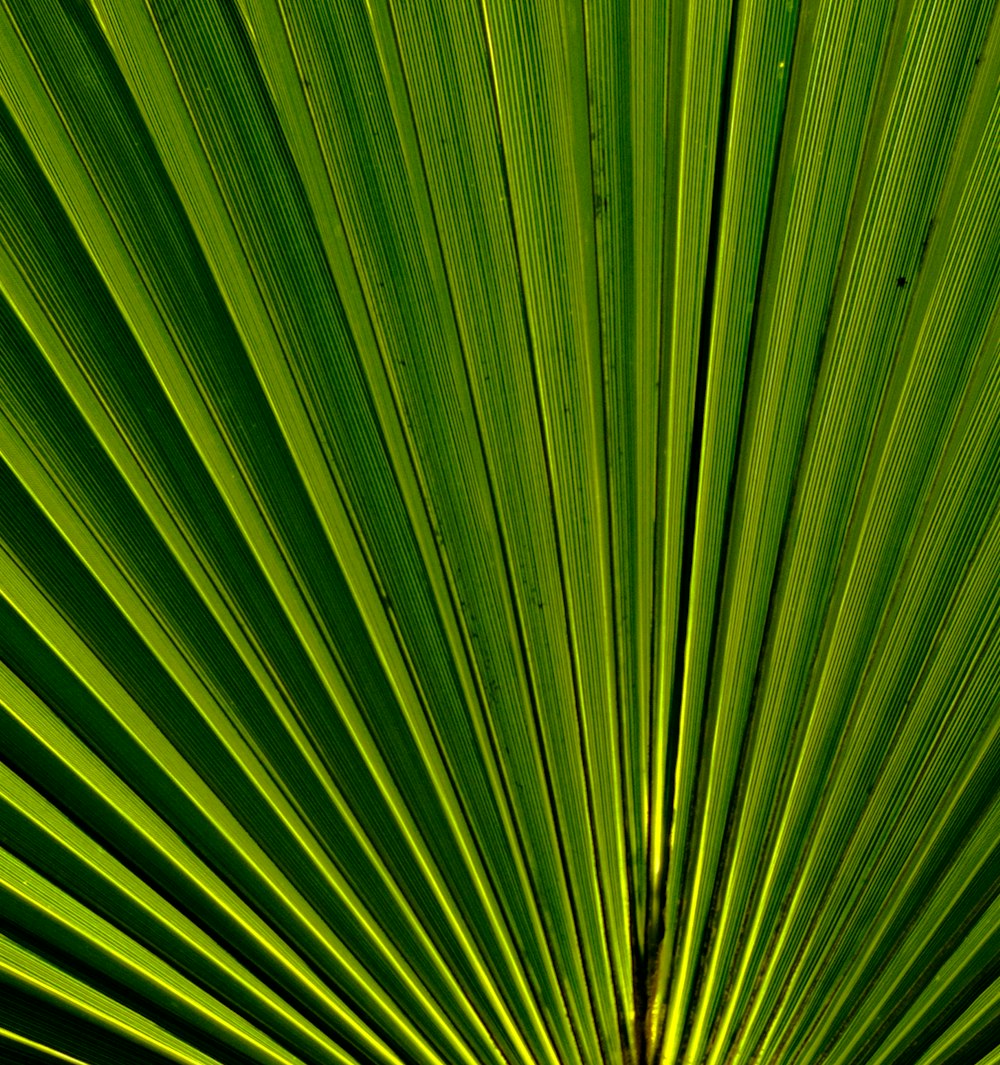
x=500, y=532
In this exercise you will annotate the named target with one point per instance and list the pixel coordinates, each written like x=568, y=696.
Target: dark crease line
x=655, y=893
x=721, y=575
x=694, y=474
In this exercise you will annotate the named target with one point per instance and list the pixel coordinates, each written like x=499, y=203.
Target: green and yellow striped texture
x=500, y=532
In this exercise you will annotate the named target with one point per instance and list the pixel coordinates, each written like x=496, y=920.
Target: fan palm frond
x=500, y=532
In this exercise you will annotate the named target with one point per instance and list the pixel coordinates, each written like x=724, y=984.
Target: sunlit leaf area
x=500, y=532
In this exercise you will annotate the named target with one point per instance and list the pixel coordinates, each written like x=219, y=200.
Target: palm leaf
x=499, y=532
